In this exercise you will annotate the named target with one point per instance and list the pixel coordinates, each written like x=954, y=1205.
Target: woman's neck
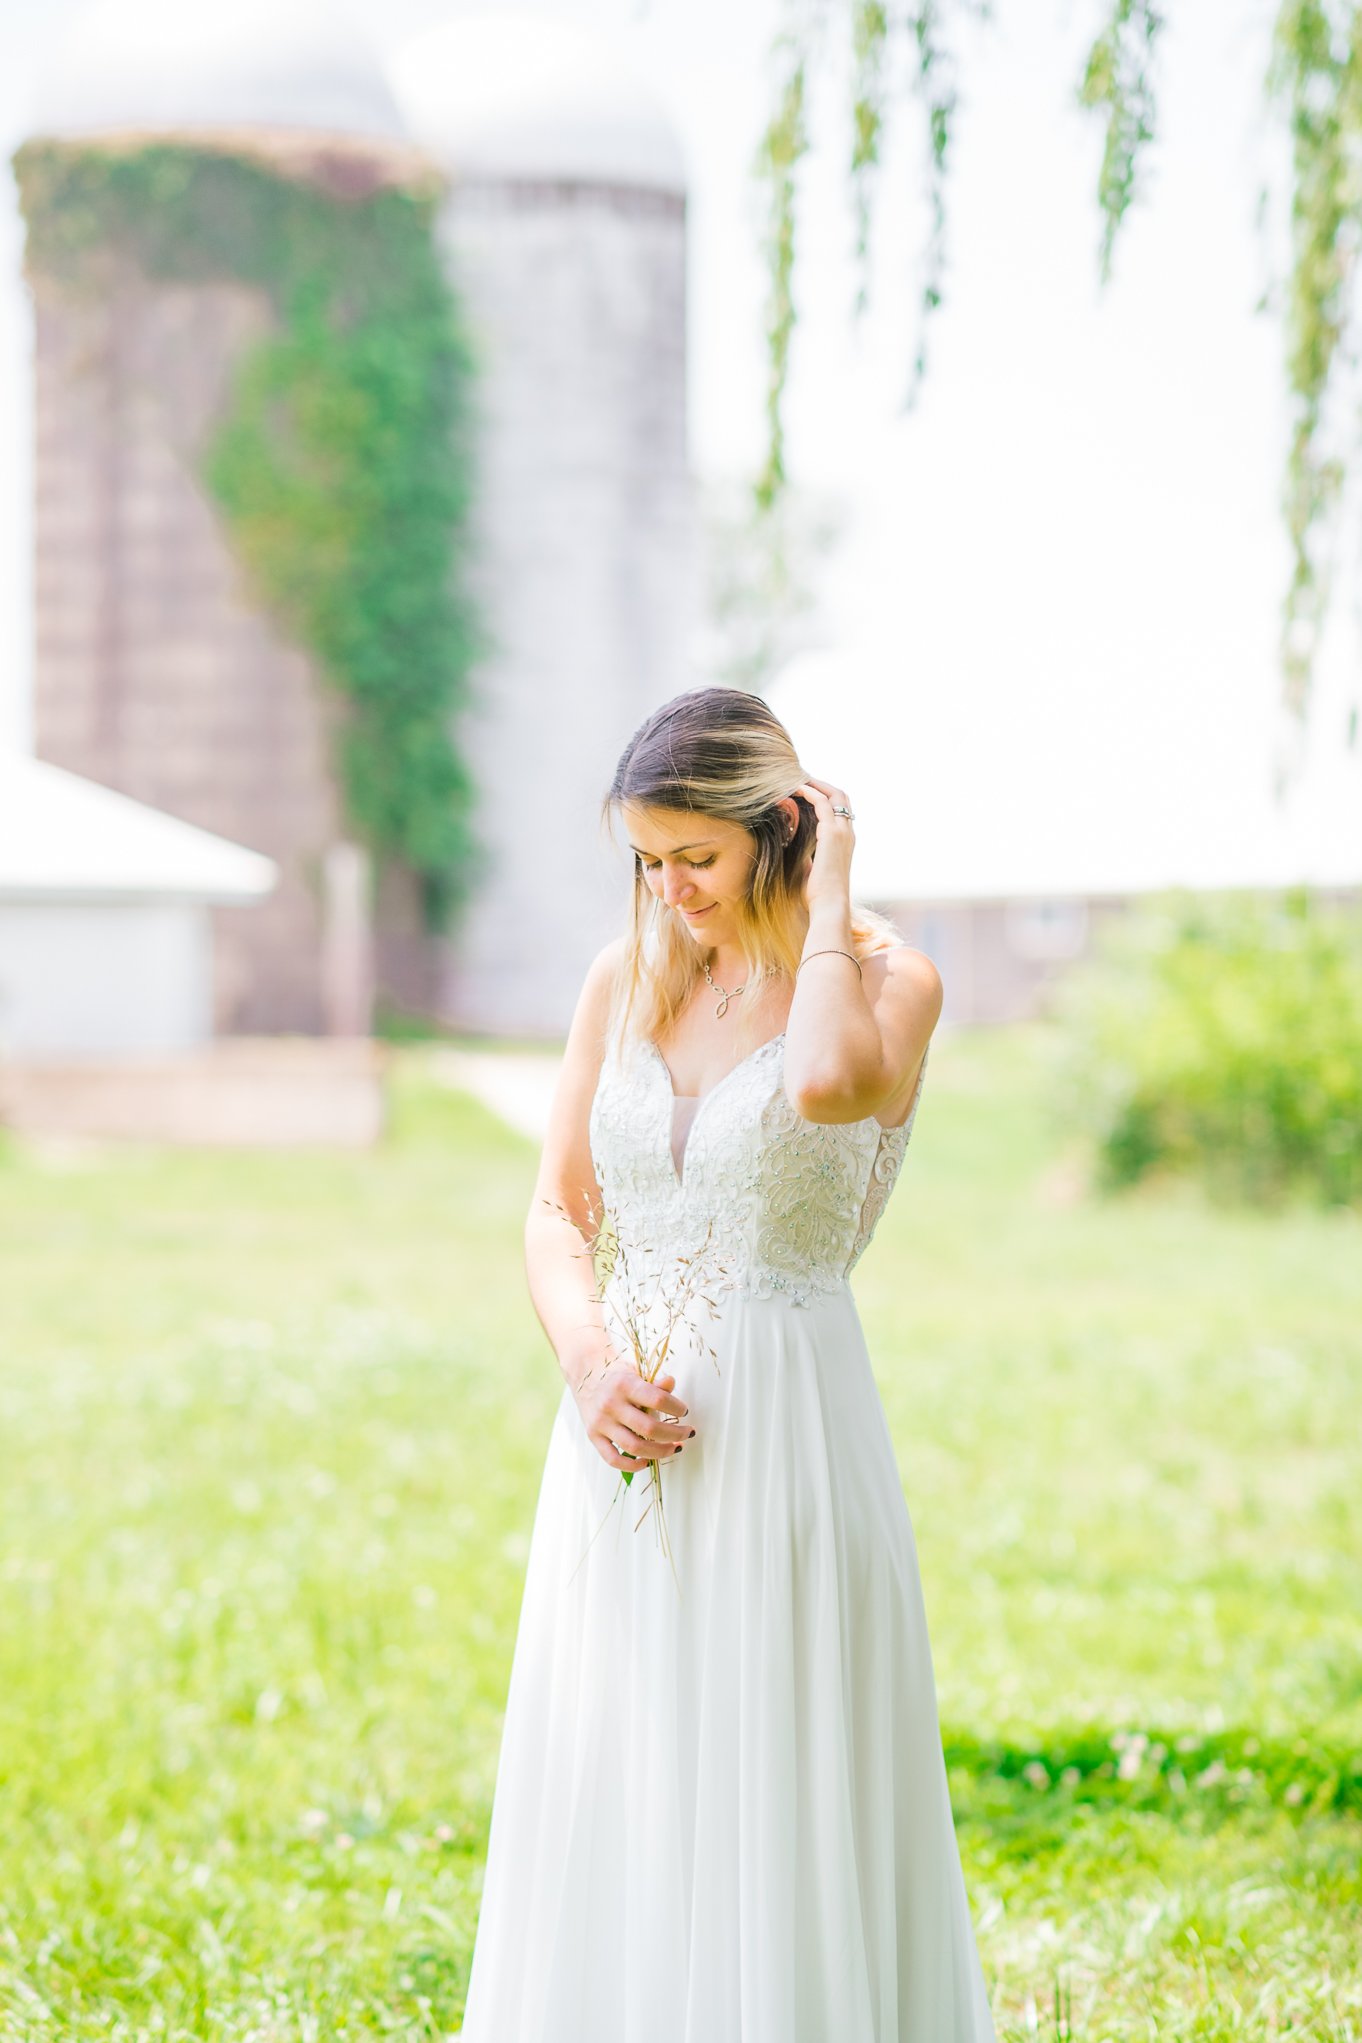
x=729, y=964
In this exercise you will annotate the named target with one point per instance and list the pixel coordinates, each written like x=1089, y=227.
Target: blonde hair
x=720, y=753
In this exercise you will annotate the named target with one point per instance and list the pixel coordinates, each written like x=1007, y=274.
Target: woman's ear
x=789, y=809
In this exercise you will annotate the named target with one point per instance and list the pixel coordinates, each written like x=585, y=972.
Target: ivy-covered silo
x=248, y=476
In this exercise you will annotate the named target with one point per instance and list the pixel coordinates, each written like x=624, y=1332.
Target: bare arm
x=558, y=1267
x=855, y=1040
x=856, y=1035
x=615, y=1401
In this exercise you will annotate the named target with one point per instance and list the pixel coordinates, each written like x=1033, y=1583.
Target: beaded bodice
x=793, y=1202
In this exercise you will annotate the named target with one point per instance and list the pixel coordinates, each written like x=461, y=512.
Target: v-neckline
x=701, y=1098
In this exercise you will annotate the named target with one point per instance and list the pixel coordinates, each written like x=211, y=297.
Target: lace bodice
x=793, y=1202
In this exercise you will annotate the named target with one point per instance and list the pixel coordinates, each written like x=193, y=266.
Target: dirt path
x=516, y=1084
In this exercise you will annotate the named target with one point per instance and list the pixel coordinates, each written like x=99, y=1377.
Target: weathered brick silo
x=155, y=670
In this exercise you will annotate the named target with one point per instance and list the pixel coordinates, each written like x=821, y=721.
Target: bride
x=721, y=1811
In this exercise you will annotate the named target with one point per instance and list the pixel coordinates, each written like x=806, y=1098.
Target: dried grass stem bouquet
x=648, y=1300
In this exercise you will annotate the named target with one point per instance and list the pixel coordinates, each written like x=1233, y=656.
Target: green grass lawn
x=272, y=1430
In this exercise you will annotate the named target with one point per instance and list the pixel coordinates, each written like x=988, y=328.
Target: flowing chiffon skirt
x=721, y=1810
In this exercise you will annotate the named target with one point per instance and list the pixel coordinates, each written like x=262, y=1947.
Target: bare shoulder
x=601, y=973
x=585, y=1046
x=907, y=979
x=905, y=993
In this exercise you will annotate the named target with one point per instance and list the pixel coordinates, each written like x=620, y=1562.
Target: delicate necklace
x=719, y=989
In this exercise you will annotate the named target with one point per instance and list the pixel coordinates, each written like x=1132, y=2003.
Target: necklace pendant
x=723, y=1005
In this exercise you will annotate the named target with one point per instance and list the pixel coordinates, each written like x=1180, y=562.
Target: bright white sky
x=1052, y=627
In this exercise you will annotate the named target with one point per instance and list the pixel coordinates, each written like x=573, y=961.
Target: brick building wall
x=157, y=673
x=155, y=670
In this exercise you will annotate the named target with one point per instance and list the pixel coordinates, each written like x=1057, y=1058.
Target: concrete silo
x=565, y=234
x=155, y=671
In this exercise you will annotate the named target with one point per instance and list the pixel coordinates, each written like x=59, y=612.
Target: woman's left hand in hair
x=828, y=882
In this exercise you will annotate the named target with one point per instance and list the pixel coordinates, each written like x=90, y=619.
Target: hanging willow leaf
x=1315, y=75
x=869, y=36
x=1118, y=81
x=778, y=157
x=936, y=89
x=1314, y=85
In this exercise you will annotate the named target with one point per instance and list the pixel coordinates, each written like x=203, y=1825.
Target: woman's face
x=698, y=866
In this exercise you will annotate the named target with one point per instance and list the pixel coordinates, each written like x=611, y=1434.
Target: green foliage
x=786, y=141
x=1118, y=81
x=274, y=1425
x=342, y=465
x=1314, y=82
x=778, y=157
x=869, y=37
x=933, y=76
x=1316, y=77
x=1222, y=1037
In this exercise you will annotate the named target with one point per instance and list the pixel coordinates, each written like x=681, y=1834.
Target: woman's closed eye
x=697, y=865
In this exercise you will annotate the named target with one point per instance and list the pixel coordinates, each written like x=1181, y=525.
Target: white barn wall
x=90, y=979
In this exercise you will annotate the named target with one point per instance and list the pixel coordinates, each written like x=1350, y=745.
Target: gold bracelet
x=830, y=953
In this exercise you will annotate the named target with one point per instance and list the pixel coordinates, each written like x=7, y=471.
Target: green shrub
x=1220, y=1036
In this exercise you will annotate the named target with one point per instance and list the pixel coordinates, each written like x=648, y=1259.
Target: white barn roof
x=66, y=838
x=519, y=97
x=167, y=67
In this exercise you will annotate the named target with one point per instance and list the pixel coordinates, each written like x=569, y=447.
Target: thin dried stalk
x=676, y=1285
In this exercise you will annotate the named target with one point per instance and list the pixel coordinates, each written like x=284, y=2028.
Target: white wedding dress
x=721, y=1810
